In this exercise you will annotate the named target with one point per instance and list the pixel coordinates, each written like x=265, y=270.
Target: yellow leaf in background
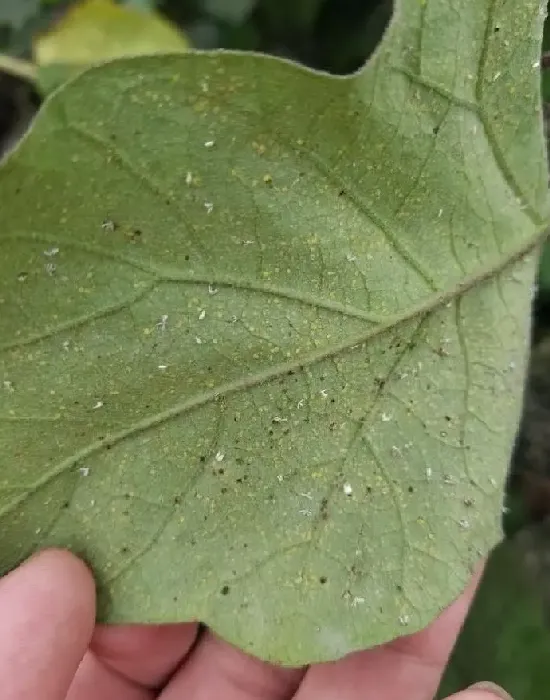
x=99, y=30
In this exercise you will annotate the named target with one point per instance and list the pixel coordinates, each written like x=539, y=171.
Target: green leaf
x=49, y=78
x=100, y=30
x=505, y=638
x=263, y=331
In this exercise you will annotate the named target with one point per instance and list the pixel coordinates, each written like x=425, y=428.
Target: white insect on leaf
x=161, y=325
x=51, y=252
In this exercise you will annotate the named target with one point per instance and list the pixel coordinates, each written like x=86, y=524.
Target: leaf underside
x=263, y=331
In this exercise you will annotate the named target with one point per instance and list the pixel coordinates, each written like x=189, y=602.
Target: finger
x=408, y=667
x=47, y=608
x=482, y=691
x=217, y=670
x=143, y=654
x=94, y=681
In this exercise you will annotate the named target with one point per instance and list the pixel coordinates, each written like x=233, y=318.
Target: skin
x=50, y=648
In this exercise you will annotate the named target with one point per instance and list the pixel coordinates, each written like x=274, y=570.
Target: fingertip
x=48, y=613
x=56, y=565
x=66, y=563
x=486, y=690
x=55, y=583
x=491, y=690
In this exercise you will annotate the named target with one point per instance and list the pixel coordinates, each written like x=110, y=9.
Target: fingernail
x=491, y=688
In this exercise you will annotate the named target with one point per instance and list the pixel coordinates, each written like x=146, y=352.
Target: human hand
x=49, y=650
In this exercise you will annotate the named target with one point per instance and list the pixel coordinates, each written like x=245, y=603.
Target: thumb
x=47, y=609
x=482, y=691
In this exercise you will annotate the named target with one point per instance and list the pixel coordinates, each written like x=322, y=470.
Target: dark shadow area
x=19, y=102
x=331, y=35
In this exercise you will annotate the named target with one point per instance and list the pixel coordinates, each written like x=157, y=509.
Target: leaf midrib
x=429, y=305
x=163, y=275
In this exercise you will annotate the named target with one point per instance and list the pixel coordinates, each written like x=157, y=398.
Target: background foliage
x=335, y=35
x=506, y=638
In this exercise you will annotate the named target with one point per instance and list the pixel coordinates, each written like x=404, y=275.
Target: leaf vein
x=368, y=212
x=272, y=373
x=79, y=321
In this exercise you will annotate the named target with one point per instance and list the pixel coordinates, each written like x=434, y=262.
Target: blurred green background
x=42, y=42
x=335, y=35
